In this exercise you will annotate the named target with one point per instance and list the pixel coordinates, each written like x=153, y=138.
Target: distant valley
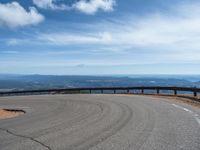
x=30, y=82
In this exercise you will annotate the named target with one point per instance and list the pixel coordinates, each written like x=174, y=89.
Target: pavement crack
x=27, y=137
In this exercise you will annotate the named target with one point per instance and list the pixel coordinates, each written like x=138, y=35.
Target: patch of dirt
x=5, y=113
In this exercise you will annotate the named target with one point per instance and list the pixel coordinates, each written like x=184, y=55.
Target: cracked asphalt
x=99, y=122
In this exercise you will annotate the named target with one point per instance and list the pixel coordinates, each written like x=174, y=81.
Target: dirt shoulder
x=187, y=99
x=181, y=99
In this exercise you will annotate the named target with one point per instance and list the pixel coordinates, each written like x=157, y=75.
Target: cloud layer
x=171, y=36
x=88, y=7
x=92, y=6
x=14, y=15
x=181, y=28
x=70, y=39
x=50, y=4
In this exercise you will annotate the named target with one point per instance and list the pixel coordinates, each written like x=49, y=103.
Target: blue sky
x=100, y=37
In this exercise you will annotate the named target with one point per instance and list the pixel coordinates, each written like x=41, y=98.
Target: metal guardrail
x=102, y=90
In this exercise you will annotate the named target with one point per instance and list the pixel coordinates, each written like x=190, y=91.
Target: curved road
x=99, y=122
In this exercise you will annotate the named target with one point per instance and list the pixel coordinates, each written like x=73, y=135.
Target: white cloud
x=92, y=6
x=14, y=15
x=50, y=4
x=67, y=38
x=84, y=6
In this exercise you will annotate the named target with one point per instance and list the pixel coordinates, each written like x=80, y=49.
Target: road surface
x=99, y=122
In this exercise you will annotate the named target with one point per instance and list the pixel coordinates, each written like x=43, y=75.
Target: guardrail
x=102, y=90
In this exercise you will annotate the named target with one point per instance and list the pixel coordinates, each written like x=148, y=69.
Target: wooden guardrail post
x=158, y=91
x=175, y=92
x=195, y=94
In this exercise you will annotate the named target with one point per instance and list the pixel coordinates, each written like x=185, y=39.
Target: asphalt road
x=99, y=122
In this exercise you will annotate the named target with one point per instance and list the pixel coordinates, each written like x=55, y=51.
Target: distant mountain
x=24, y=82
